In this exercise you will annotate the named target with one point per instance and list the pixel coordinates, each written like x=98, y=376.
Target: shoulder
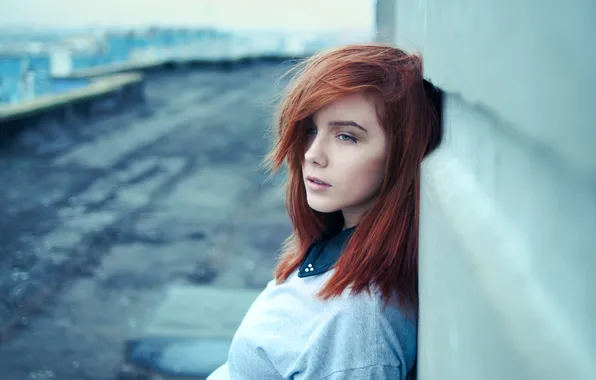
x=357, y=334
x=369, y=312
x=397, y=331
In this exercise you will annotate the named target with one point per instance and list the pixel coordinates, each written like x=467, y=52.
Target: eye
x=311, y=131
x=348, y=138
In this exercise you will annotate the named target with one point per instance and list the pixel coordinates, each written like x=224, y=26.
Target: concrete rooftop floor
x=99, y=217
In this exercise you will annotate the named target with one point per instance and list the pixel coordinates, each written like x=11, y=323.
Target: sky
x=235, y=14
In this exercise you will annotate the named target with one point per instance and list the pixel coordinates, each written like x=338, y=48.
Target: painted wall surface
x=508, y=218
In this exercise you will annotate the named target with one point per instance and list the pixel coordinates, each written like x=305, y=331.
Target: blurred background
x=136, y=227
x=44, y=39
x=270, y=15
x=132, y=205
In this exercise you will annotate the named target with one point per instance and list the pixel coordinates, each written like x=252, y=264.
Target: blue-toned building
x=204, y=34
x=24, y=76
x=119, y=46
x=142, y=41
x=164, y=37
x=10, y=74
x=38, y=65
x=85, y=60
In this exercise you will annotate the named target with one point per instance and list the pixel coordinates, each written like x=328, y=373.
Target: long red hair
x=383, y=249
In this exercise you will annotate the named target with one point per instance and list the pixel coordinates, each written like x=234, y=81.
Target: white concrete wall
x=384, y=20
x=508, y=224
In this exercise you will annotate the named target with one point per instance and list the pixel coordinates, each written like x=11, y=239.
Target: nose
x=315, y=153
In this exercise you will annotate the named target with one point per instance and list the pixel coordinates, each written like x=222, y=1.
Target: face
x=346, y=150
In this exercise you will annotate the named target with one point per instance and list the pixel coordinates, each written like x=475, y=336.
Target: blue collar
x=322, y=255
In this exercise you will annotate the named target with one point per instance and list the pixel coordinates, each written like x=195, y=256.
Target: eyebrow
x=343, y=123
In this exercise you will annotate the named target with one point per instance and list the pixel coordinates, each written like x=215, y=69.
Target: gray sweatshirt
x=288, y=333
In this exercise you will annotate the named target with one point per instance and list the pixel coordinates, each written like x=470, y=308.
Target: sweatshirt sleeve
x=357, y=342
x=377, y=372
x=221, y=373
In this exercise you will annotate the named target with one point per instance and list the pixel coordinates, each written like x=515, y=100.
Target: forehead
x=360, y=108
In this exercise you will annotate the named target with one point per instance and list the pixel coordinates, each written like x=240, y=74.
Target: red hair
x=383, y=249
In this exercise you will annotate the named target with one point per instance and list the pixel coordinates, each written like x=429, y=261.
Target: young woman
x=353, y=129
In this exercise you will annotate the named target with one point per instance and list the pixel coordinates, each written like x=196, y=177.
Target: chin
x=322, y=206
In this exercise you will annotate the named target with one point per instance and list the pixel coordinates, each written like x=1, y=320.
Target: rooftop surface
x=100, y=215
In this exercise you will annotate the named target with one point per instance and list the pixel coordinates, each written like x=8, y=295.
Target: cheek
x=366, y=174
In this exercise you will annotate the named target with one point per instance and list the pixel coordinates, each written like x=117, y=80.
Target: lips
x=317, y=181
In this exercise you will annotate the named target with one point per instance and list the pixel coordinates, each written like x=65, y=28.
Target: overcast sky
x=244, y=14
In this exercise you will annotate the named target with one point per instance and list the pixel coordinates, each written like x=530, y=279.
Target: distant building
x=24, y=76
x=11, y=66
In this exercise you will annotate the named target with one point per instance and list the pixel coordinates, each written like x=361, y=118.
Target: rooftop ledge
x=97, y=87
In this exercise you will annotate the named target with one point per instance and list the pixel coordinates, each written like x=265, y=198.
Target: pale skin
x=346, y=149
